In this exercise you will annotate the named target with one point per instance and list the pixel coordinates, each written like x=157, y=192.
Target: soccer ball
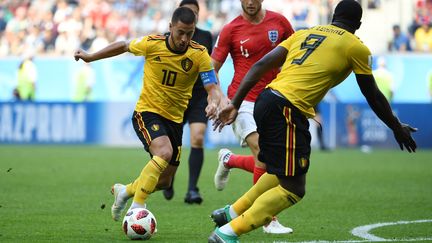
x=139, y=224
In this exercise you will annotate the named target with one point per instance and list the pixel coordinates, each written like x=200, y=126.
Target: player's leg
x=228, y=160
x=285, y=148
x=226, y=214
x=270, y=203
x=259, y=167
x=146, y=182
x=167, y=177
x=196, y=160
x=246, y=128
x=152, y=130
x=173, y=133
x=197, y=119
x=243, y=126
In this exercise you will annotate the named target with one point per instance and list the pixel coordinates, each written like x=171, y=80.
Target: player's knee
x=197, y=140
x=166, y=153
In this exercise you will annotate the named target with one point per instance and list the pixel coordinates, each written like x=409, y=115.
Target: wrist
x=395, y=124
x=236, y=104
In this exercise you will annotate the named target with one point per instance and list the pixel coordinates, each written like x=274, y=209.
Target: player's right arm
x=379, y=104
x=222, y=48
x=113, y=49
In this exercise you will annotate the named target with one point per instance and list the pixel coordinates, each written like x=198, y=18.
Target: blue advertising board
x=345, y=125
x=355, y=124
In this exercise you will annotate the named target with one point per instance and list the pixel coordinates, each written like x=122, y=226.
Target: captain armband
x=208, y=77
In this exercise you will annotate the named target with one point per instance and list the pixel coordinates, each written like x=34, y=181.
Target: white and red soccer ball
x=139, y=224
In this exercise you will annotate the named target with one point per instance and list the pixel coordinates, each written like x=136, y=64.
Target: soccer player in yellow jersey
x=313, y=61
x=172, y=65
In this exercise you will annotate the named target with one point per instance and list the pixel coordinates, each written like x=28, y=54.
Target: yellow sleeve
x=205, y=63
x=361, y=59
x=287, y=43
x=138, y=46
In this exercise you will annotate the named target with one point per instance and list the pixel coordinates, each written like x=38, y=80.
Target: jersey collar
x=169, y=47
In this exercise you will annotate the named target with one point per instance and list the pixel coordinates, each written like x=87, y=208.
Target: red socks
x=245, y=162
x=257, y=173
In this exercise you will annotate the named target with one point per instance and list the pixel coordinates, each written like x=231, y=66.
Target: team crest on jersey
x=186, y=64
x=304, y=162
x=273, y=36
x=155, y=127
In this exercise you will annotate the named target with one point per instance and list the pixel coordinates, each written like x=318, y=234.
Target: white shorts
x=244, y=124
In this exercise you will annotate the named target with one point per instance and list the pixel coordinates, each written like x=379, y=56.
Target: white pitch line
x=358, y=241
x=363, y=231
x=324, y=241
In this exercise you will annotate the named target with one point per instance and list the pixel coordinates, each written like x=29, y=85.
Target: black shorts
x=148, y=126
x=195, y=111
x=284, y=137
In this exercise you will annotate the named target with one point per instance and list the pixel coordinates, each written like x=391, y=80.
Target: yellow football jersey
x=318, y=59
x=169, y=76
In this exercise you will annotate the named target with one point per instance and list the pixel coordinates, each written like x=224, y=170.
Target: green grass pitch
x=62, y=194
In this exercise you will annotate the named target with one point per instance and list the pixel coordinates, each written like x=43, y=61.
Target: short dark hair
x=348, y=12
x=183, y=14
x=184, y=2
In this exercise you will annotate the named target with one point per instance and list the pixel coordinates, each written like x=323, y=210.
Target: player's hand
x=404, y=138
x=83, y=55
x=224, y=102
x=211, y=111
x=225, y=117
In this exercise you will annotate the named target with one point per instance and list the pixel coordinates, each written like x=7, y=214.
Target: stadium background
x=51, y=30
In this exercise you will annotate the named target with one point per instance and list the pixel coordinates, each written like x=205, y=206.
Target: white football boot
x=222, y=172
x=274, y=227
x=119, y=204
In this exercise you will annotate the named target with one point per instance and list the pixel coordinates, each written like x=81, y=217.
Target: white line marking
x=358, y=241
x=363, y=231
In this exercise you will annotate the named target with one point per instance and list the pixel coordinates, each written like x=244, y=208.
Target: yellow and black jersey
x=169, y=76
x=318, y=59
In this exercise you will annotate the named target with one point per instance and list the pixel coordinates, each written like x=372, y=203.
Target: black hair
x=183, y=14
x=348, y=12
x=184, y=2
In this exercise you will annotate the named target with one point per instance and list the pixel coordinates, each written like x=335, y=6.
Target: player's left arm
x=215, y=94
x=381, y=107
x=360, y=58
x=273, y=59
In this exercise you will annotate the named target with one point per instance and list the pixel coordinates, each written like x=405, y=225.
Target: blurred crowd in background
x=58, y=27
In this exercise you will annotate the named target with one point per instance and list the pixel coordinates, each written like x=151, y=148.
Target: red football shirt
x=247, y=43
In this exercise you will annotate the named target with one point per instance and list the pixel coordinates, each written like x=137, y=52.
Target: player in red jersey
x=247, y=38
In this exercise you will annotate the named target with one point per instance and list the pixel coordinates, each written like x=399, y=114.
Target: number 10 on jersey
x=169, y=78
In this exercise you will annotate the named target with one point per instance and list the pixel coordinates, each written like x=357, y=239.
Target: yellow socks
x=265, y=182
x=146, y=182
x=263, y=209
